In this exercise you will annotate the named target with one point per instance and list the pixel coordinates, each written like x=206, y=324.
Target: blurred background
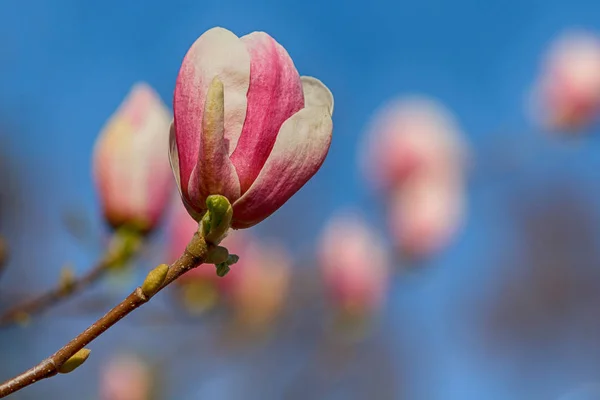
x=508, y=309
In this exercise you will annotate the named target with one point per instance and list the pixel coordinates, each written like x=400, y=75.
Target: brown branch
x=52, y=297
x=194, y=255
x=122, y=248
x=3, y=254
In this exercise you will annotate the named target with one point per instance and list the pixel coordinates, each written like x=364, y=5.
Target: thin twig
x=194, y=255
x=123, y=247
x=53, y=296
x=3, y=254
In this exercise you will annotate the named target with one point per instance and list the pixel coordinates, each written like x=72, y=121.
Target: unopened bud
x=154, y=280
x=75, y=361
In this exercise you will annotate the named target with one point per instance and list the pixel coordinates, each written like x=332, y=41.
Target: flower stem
x=194, y=255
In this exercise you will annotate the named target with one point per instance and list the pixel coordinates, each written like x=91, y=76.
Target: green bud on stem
x=154, y=280
x=217, y=220
x=75, y=361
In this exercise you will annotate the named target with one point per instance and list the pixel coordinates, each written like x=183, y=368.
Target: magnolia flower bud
x=247, y=126
x=131, y=168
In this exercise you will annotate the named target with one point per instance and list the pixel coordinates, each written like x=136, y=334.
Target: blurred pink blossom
x=126, y=378
x=355, y=265
x=261, y=285
x=425, y=215
x=567, y=92
x=131, y=167
x=412, y=136
x=247, y=125
x=417, y=158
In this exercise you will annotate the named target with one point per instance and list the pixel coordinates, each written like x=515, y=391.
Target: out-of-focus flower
x=355, y=265
x=425, y=215
x=412, y=136
x=416, y=156
x=131, y=168
x=126, y=378
x=566, y=95
x=201, y=287
x=247, y=126
x=261, y=284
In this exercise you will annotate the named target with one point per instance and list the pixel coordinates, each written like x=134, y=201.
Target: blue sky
x=65, y=65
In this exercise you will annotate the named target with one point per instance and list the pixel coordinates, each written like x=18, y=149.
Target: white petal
x=316, y=94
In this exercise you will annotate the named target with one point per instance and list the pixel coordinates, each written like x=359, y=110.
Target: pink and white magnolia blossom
x=247, y=126
x=130, y=164
x=417, y=157
x=126, y=378
x=567, y=93
x=355, y=265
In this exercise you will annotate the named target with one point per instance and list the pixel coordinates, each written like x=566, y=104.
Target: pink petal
x=275, y=94
x=298, y=153
x=218, y=52
x=316, y=94
x=214, y=173
x=196, y=213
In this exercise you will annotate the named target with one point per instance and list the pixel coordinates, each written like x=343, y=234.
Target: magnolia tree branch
x=3, y=254
x=124, y=245
x=196, y=253
x=23, y=311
